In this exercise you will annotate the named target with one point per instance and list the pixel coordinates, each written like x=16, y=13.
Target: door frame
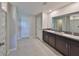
x=36, y=26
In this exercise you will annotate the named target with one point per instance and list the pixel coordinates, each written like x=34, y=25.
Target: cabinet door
x=62, y=45
x=52, y=40
x=45, y=36
x=74, y=48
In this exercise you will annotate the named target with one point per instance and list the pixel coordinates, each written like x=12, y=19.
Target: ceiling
x=33, y=8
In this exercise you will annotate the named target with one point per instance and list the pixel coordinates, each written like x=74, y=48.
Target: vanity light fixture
x=50, y=11
x=54, y=12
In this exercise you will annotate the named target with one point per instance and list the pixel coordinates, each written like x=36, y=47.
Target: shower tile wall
x=2, y=33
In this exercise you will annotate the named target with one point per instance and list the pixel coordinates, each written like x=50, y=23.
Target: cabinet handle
x=66, y=45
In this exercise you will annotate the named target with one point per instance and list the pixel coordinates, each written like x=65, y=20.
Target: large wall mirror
x=67, y=23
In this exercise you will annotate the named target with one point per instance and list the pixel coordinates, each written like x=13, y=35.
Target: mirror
x=67, y=23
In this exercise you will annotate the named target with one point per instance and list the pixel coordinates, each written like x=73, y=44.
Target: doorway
x=39, y=26
x=24, y=28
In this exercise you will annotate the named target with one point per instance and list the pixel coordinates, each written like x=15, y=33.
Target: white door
x=39, y=26
x=2, y=33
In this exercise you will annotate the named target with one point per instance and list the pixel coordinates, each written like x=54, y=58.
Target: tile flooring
x=33, y=47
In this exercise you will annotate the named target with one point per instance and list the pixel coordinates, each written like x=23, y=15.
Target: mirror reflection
x=66, y=23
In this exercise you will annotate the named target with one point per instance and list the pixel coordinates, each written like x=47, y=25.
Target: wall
x=11, y=27
x=15, y=29
x=32, y=21
x=2, y=31
x=43, y=21
x=39, y=26
x=4, y=6
x=46, y=20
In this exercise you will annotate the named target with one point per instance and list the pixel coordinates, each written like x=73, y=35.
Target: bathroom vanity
x=67, y=44
x=64, y=34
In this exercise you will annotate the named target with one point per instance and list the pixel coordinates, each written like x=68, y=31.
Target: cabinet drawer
x=45, y=36
x=52, y=41
x=62, y=45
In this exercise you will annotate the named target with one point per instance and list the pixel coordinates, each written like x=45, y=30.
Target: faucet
x=72, y=33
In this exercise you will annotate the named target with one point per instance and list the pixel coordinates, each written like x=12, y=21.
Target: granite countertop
x=64, y=34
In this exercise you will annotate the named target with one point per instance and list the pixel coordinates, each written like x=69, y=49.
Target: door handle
x=1, y=44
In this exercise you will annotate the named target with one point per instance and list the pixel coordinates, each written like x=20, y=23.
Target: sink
x=76, y=34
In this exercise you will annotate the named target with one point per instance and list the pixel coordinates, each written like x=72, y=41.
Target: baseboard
x=13, y=49
x=24, y=38
x=39, y=38
x=10, y=50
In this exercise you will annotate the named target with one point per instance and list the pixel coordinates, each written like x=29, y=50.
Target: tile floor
x=33, y=47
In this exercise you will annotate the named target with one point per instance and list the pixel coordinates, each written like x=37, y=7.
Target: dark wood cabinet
x=65, y=45
x=62, y=45
x=52, y=40
x=74, y=48
x=49, y=38
x=45, y=36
